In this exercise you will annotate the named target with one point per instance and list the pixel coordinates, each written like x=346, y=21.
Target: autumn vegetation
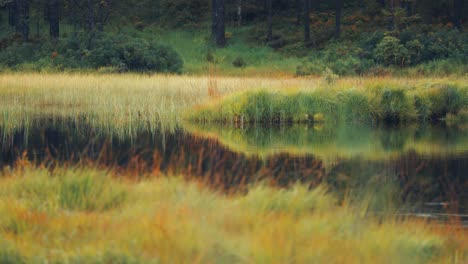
x=218, y=69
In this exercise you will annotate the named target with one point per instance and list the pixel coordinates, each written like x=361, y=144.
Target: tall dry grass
x=169, y=220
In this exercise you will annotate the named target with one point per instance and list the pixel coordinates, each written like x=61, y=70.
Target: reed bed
x=123, y=104
x=67, y=215
x=383, y=103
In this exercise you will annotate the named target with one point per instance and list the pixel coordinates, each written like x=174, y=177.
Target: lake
x=416, y=170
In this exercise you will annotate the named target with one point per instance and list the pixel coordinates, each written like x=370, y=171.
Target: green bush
x=390, y=51
x=109, y=51
x=239, y=63
x=19, y=53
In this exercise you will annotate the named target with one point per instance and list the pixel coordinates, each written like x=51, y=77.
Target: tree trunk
x=270, y=20
x=458, y=6
x=214, y=18
x=12, y=13
x=53, y=16
x=239, y=12
x=298, y=12
x=74, y=5
x=391, y=25
x=91, y=23
x=102, y=14
x=220, y=27
x=339, y=7
x=22, y=19
x=408, y=7
x=306, y=21
x=90, y=16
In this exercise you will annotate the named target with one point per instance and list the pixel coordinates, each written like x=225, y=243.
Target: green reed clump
x=267, y=107
x=108, y=256
x=9, y=254
x=446, y=100
x=355, y=106
x=80, y=190
x=89, y=192
x=395, y=106
x=387, y=104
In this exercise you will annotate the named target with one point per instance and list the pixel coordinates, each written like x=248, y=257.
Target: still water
x=405, y=170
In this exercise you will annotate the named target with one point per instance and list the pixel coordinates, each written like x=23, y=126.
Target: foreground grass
x=122, y=104
x=89, y=216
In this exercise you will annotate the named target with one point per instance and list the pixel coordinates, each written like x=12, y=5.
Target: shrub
x=134, y=54
x=391, y=52
x=117, y=52
x=415, y=49
x=239, y=63
x=329, y=76
x=210, y=57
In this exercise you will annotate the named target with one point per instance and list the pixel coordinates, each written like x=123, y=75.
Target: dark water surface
x=416, y=170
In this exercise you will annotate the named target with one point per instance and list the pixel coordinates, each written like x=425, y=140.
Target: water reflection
x=398, y=169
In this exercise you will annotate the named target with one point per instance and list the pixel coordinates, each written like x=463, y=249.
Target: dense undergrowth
x=104, y=52
x=169, y=220
x=379, y=103
x=413, y=51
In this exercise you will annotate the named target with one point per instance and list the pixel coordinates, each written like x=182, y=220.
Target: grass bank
x=380, y=102
x=70, y=215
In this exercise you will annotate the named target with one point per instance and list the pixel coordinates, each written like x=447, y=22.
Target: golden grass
x=169, y=220
x=124, y=103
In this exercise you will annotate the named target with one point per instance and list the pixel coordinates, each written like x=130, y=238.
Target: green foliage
x=89, y=193
x=120, y=52
x=239, y=62
x=390, y=51
x=395, y=105
x=69, y=190
x=8, y=254
x=340, y=59
x=355, y=106
x=183, y=13
x=446, y=100
x=388, y=104
x=329, y=76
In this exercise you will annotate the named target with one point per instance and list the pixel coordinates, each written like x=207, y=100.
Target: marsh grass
x=74, y=190
x=120, y=105
x=115, y=104
x=170, y=220
x=390, y=104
